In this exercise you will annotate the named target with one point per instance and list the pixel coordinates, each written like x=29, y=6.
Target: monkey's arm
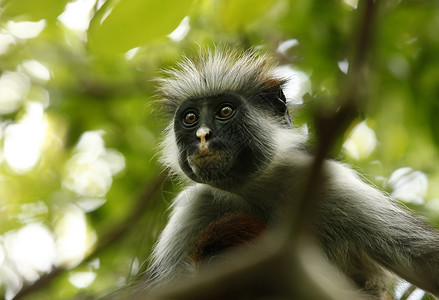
x=361, y=218
x=192, y=211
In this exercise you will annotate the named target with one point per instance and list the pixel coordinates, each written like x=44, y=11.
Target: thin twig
x=331, y=126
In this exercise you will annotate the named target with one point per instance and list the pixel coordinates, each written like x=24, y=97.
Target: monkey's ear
x=275, y=99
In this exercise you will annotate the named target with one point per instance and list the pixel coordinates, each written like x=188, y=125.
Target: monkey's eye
x=225, y=112
x=190, y=118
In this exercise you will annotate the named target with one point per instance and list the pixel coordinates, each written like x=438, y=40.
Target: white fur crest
x=218, y=71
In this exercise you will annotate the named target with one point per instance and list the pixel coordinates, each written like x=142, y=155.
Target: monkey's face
x=217, y=143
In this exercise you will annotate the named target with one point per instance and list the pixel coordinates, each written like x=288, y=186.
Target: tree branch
x=331, y=125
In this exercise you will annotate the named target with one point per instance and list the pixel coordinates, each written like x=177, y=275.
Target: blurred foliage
x=82, y=197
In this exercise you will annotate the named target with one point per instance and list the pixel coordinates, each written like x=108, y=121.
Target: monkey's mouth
x=210, y=165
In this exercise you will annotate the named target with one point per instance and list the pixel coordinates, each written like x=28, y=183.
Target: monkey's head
x=226, y=108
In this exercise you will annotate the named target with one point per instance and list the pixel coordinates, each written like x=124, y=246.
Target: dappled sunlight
x=6, y=40
x=23, y=140
x=343, y=65
x=89, y=172
x=31, y=250
x=408, y=185
x=181, y=31
x=82, y=279
x=25, y=254
x=73, y=239
x=130, y=54
x=90, y=204
x=14, y=87
x=32, y=212
x=88, y=178
x=36, y=70
x=298, y=83
x=77, y=15
x=351, y=3
x=9, y=277
x=26, y=30
x=284, y=46
x=34, y=249
x=361, y=142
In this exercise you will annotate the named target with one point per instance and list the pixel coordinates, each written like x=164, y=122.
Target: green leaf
x=122, y=25
x=33, y=10
x=236, y=15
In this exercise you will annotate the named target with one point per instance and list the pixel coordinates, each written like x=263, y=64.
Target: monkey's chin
x=210, y=166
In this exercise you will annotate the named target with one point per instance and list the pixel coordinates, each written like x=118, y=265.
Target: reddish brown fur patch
x=227, y=232
x=271, y=82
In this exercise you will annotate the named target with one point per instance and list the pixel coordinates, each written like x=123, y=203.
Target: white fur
x=169, y=157
x=217, y=72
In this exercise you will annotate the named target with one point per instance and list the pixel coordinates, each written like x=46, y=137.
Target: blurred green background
x=82, y=197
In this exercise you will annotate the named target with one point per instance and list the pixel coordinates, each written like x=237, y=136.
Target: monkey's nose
x=203, y=133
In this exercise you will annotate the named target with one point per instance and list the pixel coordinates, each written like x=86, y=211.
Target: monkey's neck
x=278, y=185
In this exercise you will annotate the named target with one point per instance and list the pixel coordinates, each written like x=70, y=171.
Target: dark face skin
x=214, y=141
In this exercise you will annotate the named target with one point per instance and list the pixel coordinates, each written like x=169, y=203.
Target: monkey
x=231, y=139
